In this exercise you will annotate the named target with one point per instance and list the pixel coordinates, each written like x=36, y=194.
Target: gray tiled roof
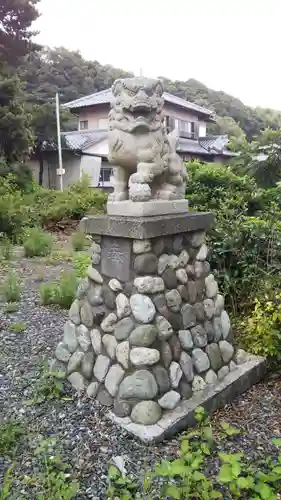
x=105, y=96
x=214, y=142
x=81, y=140
x=102, y=97
x=202, y=147
x=190, y=146
x=178, y=101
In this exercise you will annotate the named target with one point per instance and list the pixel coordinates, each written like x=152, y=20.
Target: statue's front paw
x=135, y=179
x=118, y=196
x=139, y=192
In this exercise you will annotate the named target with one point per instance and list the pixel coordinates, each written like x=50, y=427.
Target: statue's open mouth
x=141, y=110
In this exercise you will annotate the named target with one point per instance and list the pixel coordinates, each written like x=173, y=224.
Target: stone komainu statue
x=146, y=165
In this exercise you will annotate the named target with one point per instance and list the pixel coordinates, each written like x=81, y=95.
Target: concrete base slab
x=211, y=398
x=147, y=208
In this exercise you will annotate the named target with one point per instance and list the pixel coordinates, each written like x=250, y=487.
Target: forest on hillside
x=48, y=70
x=30, y=76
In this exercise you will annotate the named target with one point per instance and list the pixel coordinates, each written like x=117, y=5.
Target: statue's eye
x=149, y=91
x=130, y=91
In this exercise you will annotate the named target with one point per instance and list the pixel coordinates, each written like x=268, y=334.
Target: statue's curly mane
x=136, y=104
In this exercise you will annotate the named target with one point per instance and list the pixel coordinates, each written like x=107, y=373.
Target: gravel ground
x=85, y=438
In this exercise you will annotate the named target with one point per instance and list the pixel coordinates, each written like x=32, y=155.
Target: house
x=88, y=146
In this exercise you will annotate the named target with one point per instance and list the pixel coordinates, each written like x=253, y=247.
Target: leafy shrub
x=78, y=241
x=212, y=186
x=81, y=263
x=11, y=288
x=245, y=254
x=261, y=330
x=21, y=208
x=37, y=243
x=61, y=293
x=73, y=203
x=245, y=242
x=20, y=176
x=185, y=476
x=14, y=214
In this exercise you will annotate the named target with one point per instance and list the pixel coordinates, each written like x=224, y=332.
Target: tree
x=16, y=17
x=51, y=70
x=271, y=116
x=226, y=125
x=251, y=120
x=261, y=159
x=15, y=133
x=44, y=126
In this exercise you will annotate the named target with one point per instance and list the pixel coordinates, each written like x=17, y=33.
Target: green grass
x=11, y=287
x=37, y=243
x=79, y=241
x=10, y=435
x=56, y=257
x=11, y=307
x=61, y=293
x=6, y=250
x=81, y=262
x=18, y=327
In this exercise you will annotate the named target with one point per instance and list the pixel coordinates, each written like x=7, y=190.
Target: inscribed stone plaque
x=116, y=258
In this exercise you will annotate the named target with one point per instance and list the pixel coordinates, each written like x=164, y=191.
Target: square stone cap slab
x=146, y=227
x=147, y=208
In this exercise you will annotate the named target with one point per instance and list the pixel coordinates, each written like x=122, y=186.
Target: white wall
x=71, y=164
x=94, y=164
x=180, y=113
x=94, y=116
x=91, y=167
x=72, y=171
x=202, y=129
x=100, y=148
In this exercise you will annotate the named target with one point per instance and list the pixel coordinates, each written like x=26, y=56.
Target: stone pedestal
x=147, y=208
x=148, y=334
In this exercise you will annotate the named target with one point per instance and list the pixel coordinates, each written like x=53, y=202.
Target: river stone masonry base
x=211, y=398
x=148, y=334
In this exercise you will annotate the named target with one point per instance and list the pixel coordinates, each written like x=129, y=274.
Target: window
x=195, y=129
x=83, y=124
x=188, y=129
x=184, y=126
x=170, y=123
x=105, y=174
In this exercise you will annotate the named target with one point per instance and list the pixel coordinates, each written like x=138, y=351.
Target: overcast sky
x=230, y=45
